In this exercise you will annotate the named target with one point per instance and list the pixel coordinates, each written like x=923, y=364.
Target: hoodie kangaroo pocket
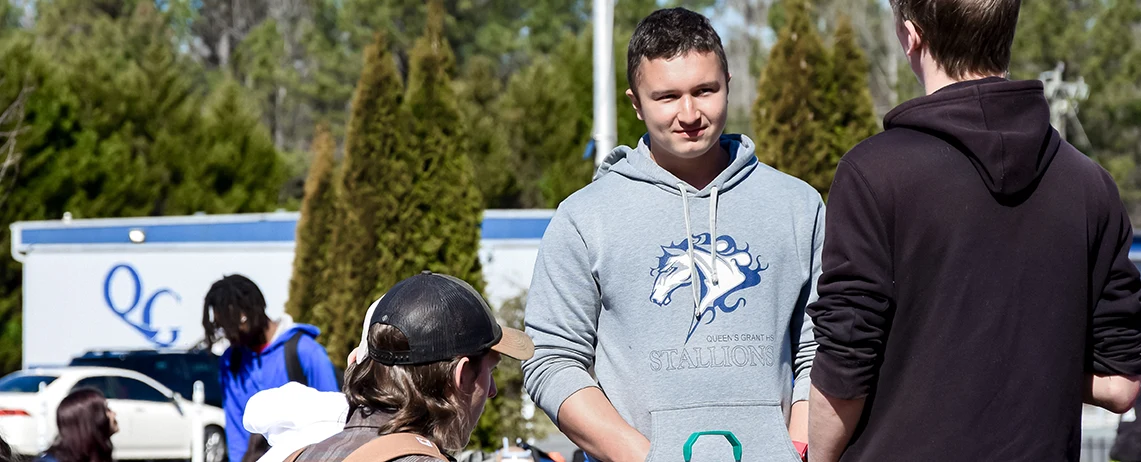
x=760, y=426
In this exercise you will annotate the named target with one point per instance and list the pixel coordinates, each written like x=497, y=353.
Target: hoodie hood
x=637, y=164
x=285, y=330
x=294, y=416
x=1002, y=126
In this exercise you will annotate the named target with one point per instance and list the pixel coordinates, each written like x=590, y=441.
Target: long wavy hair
x=84, y=428
x=422, y=399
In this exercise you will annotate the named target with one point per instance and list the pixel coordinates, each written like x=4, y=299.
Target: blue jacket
x=267, y=370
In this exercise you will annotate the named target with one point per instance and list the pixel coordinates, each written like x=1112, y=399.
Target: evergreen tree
x=503, y=415
x=372, y=180
x=853, y=113
x=546, y=111
x=30, y=191
x=1111, y=117
x=437, y=225
x=791, y=113
x=307, y=286
x=478, y=93
x=234, y=167
x=114, y=128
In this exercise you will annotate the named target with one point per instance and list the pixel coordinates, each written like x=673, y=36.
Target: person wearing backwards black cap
x=418, y=391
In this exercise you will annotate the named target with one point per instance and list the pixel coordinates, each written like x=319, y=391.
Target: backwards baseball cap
x=443, y=317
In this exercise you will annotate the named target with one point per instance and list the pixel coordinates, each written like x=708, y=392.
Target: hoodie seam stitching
x=946, y=102
x=1001, y=140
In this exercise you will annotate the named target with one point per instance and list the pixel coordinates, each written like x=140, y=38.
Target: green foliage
x=369, y=182
x=792, y=111
x=853, y=115
x=115, y=127
x=318, y=216
x=478, y=91
x=1097, y=41
x=546, y=114
x=437, y=225
x=813, y=104
x=503, y=414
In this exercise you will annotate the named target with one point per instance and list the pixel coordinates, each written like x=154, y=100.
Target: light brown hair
x=964, y=36
x=422, y=399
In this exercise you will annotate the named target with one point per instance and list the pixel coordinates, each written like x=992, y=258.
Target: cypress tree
x=371, y=183
x=306, y=286
x=853, y=112
x=791, y=110
x=436, y=223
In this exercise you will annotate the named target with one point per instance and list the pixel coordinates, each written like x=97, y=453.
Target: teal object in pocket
x=733, y=441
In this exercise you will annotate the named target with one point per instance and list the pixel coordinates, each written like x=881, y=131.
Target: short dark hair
x=964, y=36
x=227, y=301
x=669, y=33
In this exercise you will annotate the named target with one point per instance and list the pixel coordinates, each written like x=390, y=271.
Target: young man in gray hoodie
x=681, y=275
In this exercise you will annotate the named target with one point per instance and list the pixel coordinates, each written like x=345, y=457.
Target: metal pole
x=197, y=431
x=605, y=113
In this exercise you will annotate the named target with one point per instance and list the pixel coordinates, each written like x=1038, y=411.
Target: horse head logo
x=735, y=269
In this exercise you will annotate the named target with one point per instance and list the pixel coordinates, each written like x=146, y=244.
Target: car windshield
x=21, y=383
x=155, y=367
x=177, y=371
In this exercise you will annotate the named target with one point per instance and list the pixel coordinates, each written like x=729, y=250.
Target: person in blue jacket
x=263, y=353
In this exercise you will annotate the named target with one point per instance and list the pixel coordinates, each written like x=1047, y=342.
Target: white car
x=154, y=422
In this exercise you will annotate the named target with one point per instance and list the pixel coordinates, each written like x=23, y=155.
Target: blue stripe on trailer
x=271, y=231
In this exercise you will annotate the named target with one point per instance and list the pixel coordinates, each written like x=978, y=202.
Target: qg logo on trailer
x=140, y=317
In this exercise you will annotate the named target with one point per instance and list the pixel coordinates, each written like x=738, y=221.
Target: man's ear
x=465, y=375
x=914, y=38
x=634, y=102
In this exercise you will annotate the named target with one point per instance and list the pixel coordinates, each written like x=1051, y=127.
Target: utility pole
x=1063, y=97
x=605, y=131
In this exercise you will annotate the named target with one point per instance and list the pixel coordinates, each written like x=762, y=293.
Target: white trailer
x=139, y=283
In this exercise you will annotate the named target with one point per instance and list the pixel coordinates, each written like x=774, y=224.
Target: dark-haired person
x=977, y=283
x=426, y=372
x=256, y=360
x=85, y=425
x=5, y=450
x=680, y=274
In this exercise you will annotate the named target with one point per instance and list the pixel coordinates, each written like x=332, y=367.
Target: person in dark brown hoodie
x=976, y=284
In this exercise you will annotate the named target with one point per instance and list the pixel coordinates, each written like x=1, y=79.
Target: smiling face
x=683, y=101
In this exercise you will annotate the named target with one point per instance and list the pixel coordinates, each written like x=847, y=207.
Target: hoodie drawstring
x=689, y=250
x=690, y=241
x=713, y=233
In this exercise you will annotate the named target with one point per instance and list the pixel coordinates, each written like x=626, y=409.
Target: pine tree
x=371, y=182
x=478, y=93
x=306, y=286
x=1111, y=117
x=853, y=113
x=116, y=129
x=546, y=111
x=437, y=225
x=791, y=113
x=234, y=166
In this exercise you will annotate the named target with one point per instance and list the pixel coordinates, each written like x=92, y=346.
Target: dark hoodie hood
x=1002, y=126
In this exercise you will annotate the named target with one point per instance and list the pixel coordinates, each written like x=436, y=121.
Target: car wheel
x=214, y=446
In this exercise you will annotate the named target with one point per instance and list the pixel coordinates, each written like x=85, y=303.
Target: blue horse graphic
x=736, y=269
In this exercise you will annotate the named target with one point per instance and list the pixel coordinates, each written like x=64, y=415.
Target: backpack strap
x=295, y=455
x=392, y=446
x=293, y=362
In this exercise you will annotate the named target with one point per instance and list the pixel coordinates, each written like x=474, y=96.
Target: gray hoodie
x=613, y=289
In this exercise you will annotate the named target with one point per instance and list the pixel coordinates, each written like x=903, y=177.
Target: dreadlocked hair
x=227, y=301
